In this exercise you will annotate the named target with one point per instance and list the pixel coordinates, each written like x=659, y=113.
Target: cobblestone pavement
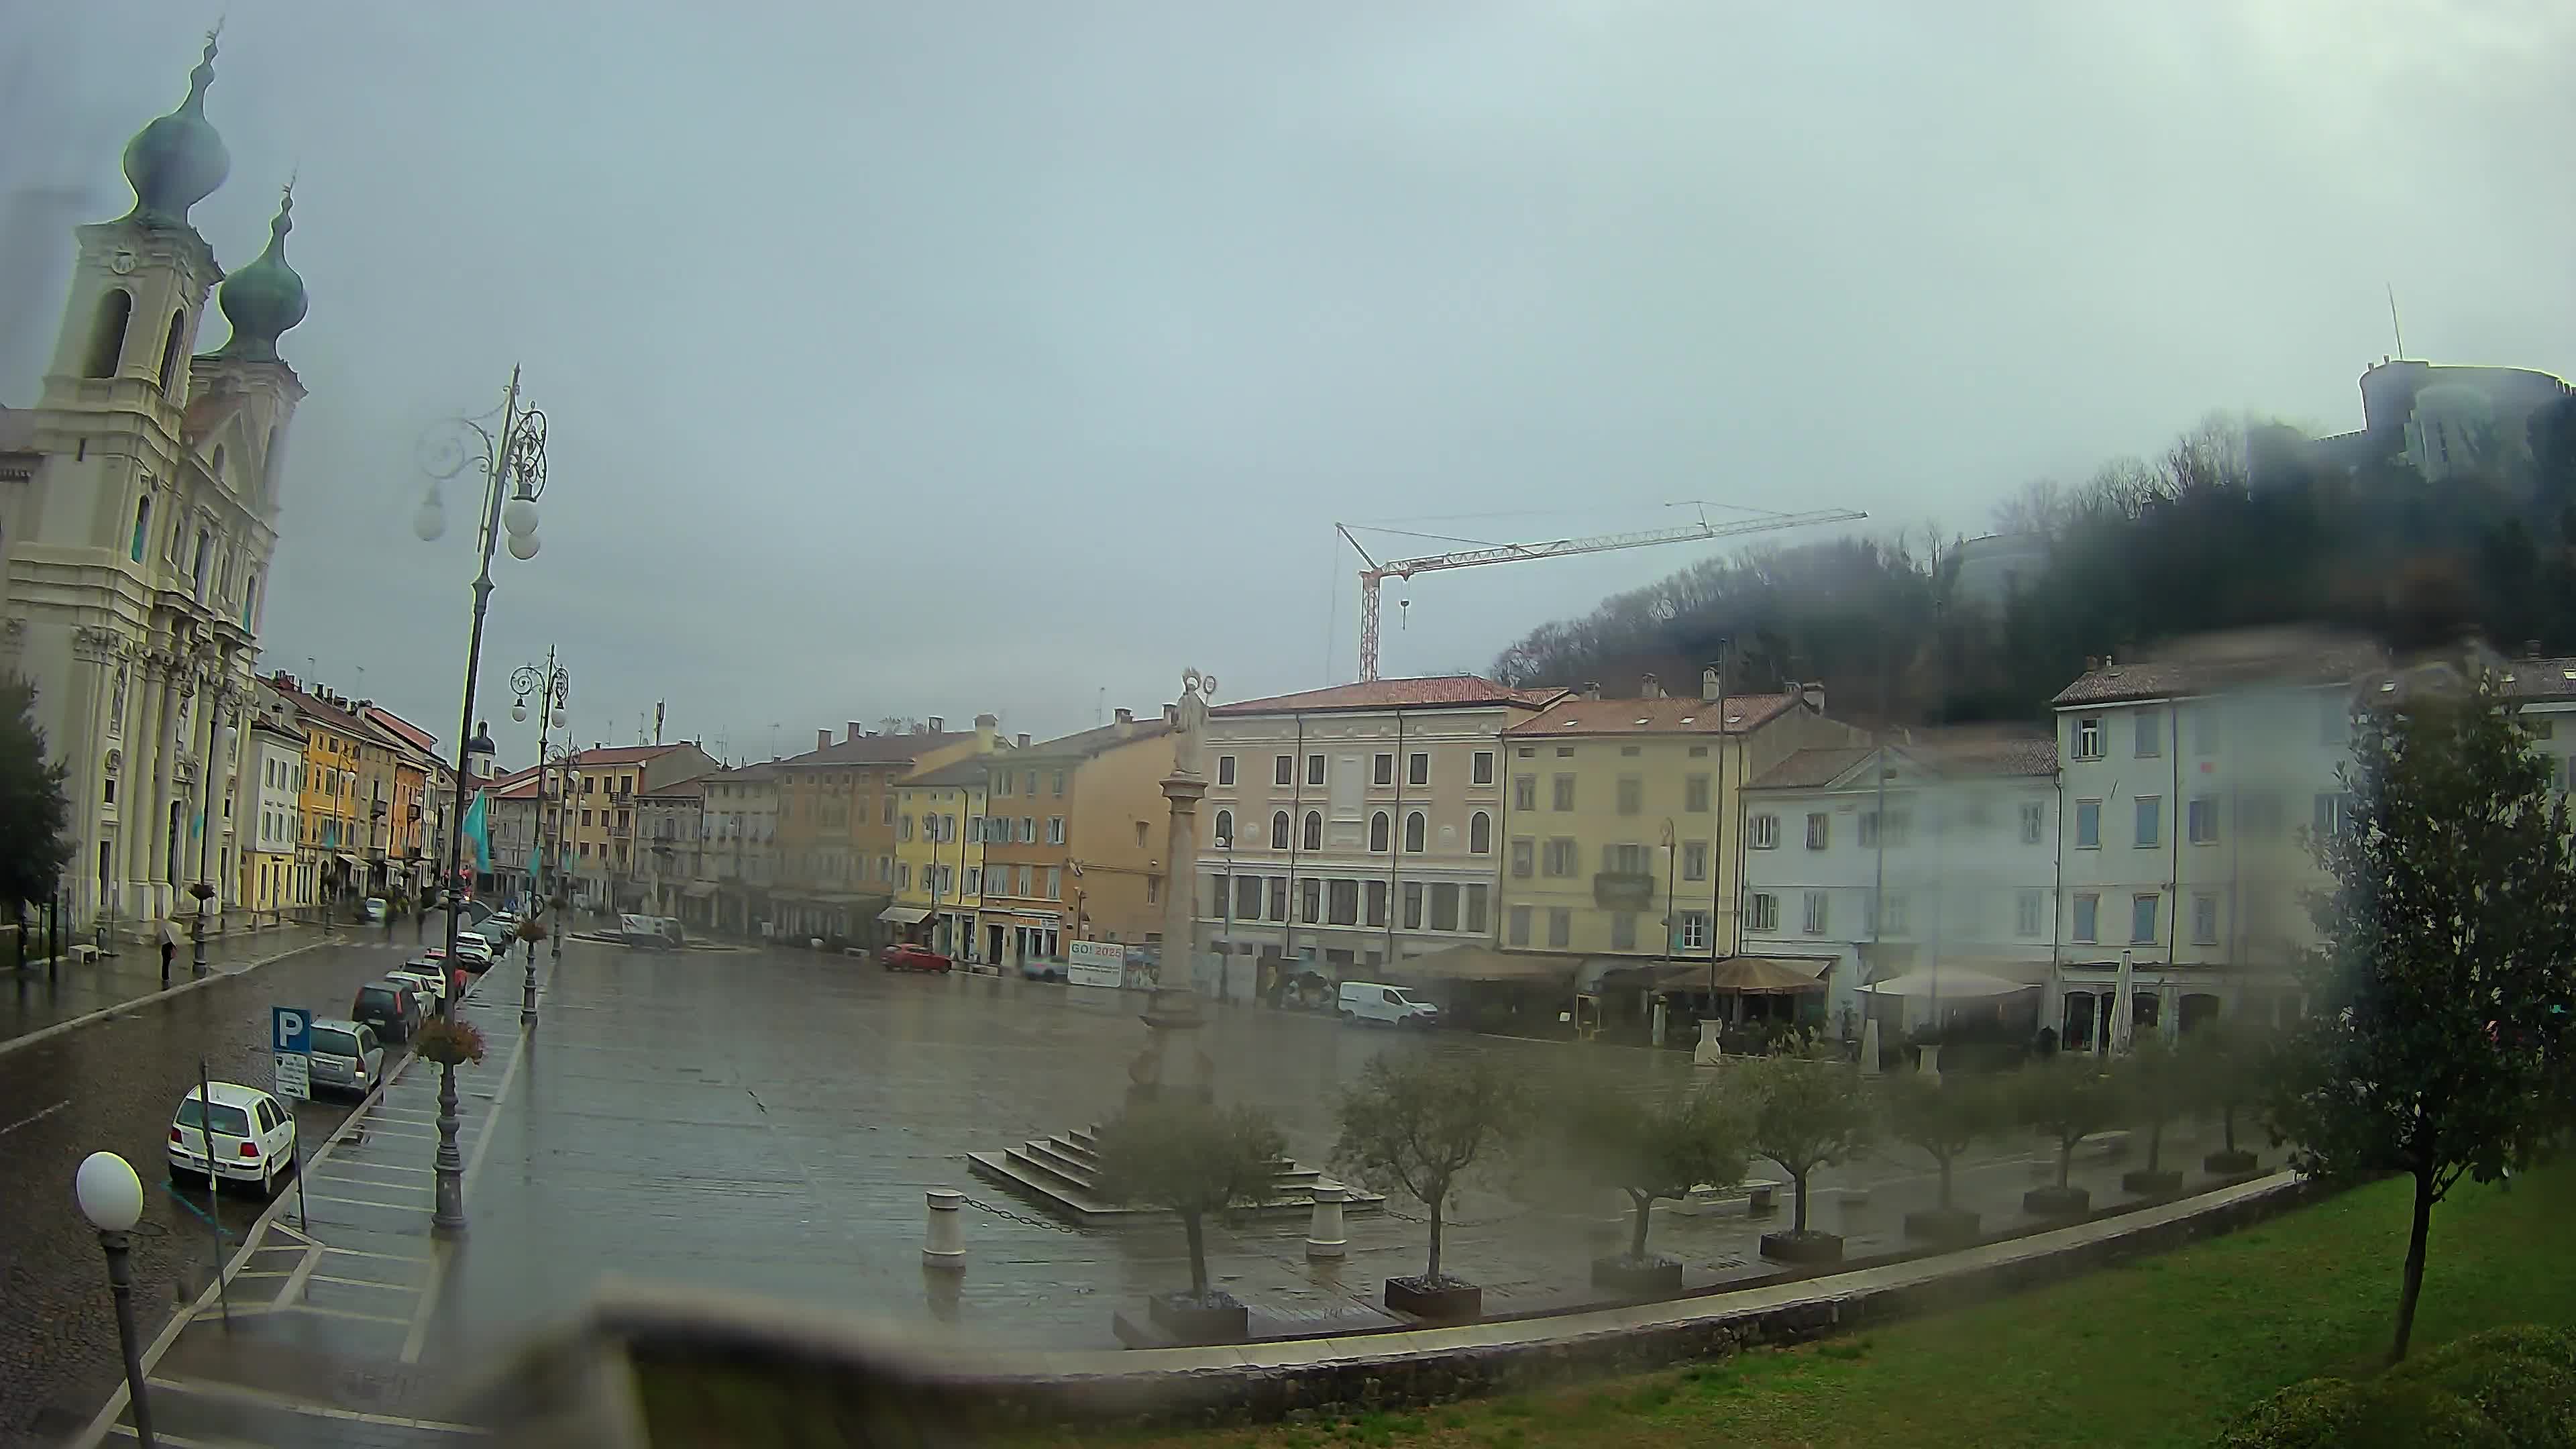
x=113, y=1084
x=32, y=998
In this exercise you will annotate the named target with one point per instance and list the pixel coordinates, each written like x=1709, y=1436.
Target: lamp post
x=1225, y=953
x=111, y=1197
x=552, y=689
x=570, y=777
x=513, y=463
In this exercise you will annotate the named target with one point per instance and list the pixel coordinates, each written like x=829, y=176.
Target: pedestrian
x=169, y=948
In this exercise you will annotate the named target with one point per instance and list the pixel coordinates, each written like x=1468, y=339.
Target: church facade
x=140, y=505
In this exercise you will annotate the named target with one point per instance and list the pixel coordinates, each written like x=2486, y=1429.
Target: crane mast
x=1404, y=568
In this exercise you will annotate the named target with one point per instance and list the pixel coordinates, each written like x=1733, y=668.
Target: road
x=113, y=1084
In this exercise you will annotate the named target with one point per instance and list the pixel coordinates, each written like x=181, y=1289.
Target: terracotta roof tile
x=1431, y=691
x=1083, y=744
x=2543, y=679
x=876, y=750
x=1669, y=715
x=1956, y=752
x=622, y=754
x=1809, y=769
x=2209, y=663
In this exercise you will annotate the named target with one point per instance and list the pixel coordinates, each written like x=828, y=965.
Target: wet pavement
x=34, y=997
x=113, y=1084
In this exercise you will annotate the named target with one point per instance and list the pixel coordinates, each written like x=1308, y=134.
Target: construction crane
x=1404, y=568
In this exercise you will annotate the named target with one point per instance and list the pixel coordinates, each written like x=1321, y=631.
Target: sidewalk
x=31, y=1003
x=333, y=1293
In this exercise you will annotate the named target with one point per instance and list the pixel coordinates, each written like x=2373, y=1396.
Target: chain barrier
x=1021, y=1218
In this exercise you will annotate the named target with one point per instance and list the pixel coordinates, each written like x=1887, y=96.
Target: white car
x=473, y=952
x=430, y=985
x=254, y=1137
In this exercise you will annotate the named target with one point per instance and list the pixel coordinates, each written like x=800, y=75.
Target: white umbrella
x=2123, y=1007
x=1950, y=981
x=1869, y=1047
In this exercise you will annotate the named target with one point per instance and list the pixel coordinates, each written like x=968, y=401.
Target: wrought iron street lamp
x=111, y=1197
x=552, y=689
x=512, y=460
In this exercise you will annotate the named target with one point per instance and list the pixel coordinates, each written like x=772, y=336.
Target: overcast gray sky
x=935, y=358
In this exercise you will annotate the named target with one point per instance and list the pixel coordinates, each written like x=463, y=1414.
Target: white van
x=1375, y=1001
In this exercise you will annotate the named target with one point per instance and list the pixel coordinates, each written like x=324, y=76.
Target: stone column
x=83, y=751
x=1180, y=892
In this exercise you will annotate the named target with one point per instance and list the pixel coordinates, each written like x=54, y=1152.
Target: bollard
x=1324, y=1236
x=945, y=1246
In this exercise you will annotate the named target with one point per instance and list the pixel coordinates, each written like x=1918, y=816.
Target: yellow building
x=939, y=854
x=1074, y=844
x=1615, y=822
x=331, y=830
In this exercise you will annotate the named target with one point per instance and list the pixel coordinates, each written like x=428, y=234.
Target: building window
x=1153, y=890
x=2333, y=814
x=2088, y=824
x=1029, y=784
x=2204, y=729
x=142, y=525
x=1694, y=860
x=1524, y=857
x=1225, y=769
x=1762, y=912
x=1765, y=832
x=1525, y=792
x=1382, y=769
x=2204, y=918
x=1623, y=930
x=1055, y=829
x=1472, y=901
x=2026, y=909
x=1632, y=795
x=1413, y=905
x=109, y=797
x=1559, y=860
x=1224, y=828
x=2151, y=820
x=1310, y=902
x=1480, y=833
x=1819, y=830
x=1414, y=825
x=1314, y=830
x=1886, y=914
x=1377, y=831
x=1279, y=898
x=1376, y=903
x=2088, y=738
x=974, y=880
x=1247, y=897
x=1314, y=769
x=1344, y=903
x=1058, y=783
x=1517, y=932
x=1560, y=927
x=2034, y=817
x=2201, y=819
x=1696, y=794
x=1562, y=792
x=1278, y=830
x=1819, y=912
x=1625, y=858
x=1417, y=770
x=1444, y=905
x=1482, y=770
x=2142, y=920
x=107, y=334
x=1694, y=933
x=1283, y=770
x=1054, y=882
x=2150, y=733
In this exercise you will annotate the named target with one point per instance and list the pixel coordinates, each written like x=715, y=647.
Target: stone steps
x=1051, y=1172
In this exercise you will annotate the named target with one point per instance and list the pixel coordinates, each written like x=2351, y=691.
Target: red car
x=905, y=956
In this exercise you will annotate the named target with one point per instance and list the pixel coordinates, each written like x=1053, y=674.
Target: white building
x=1319, y=792
x=2187, y=780
x=139, y=528
x=1936, y=852
x=272, y=799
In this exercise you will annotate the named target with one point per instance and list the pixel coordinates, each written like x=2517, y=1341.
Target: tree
x=2440, y=997
x=2155, y=1083
x=1191, y=1159
x=35, y=817
x=1807, y=1112
x=1943, y=1118
x=2223, y=1074
x=2069, y=1097
x=1650, y=1147
x=1422, y=1123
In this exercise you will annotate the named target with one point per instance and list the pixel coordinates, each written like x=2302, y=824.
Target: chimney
x=1592, y=690
x=1813, y=696
x=985, y=725
x=1649, y=687
x=2092, y=663
x=1712, y=685
x=2530, y=648
x=1126, y=723
x=1021, y=739
x=938, y=725
x=856, y=730
x=1171, y=714
x=822, y=739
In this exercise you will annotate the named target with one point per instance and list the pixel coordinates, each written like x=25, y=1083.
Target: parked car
x=391, y=1007
x=651, y=933
x=473, y=952
x=431, y=983
x=378, y=908
x=1393, y=1005
x=346, y=1056
x=253, y=1136
x=906, y=956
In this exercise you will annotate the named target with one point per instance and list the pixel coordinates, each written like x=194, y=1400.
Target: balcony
x=621, y=832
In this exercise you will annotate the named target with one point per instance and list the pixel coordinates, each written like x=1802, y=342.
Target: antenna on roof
x=2393, y=325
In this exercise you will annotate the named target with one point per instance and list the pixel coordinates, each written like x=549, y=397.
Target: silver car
x=346, y=1057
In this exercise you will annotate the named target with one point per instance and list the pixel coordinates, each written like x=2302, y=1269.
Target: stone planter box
x=2057, y=1202
x=1217, y=1318
x=2150, y=1184
x=1941, y=1225
x=1807, y=1247
x=1637, y=1278
x=2229, y=1164
x=1442, y=1300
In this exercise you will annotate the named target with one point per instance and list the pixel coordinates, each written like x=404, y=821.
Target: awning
x=903, y=915
x=1750, y=975
x=1484, y=963
x=1957, y=982
x=698, y=889
x=347, y=859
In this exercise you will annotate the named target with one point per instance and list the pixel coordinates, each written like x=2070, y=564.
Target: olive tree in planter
x=2157, y=1093
x=2068, y=1097
x=2223, y=1077
x=1943, y=1119
x=1807, y=1111
x=1420, y=1125
x=1650, y=1148
x=1191, y=1159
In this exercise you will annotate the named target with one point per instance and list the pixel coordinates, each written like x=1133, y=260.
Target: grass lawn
x=2159, y=1352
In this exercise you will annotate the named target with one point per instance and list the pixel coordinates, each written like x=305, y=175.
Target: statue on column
x=1189, y=730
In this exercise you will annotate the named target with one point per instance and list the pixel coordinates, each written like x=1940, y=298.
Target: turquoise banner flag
x=478, y=829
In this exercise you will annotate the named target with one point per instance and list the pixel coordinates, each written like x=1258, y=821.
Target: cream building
x=273, y=770
x=1365, y=823
x=139, y=532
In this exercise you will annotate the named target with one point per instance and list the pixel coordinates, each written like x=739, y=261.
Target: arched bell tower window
x=170, y=350
x=107, y=337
